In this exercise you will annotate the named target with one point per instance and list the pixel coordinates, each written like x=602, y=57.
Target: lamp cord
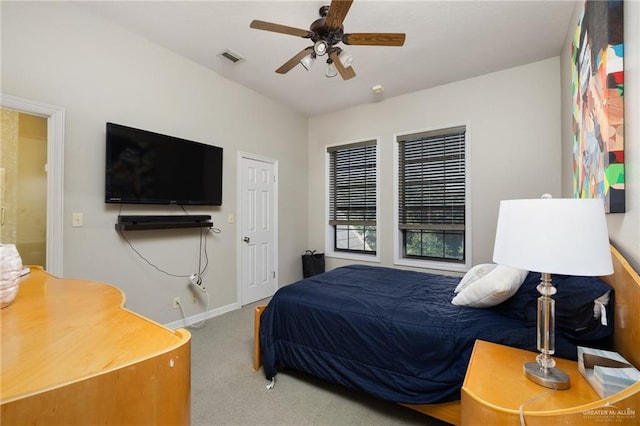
x=521, y=408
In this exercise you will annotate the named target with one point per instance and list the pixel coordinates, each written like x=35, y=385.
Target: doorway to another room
x=31, y=180
x=23, y=185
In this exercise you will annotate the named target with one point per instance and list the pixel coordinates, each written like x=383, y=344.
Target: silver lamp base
x=553, y=378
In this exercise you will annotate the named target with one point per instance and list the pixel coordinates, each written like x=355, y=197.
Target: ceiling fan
x=325, y=33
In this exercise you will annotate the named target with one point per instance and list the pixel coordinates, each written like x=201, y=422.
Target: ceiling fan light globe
x=320, y=47
x=307, y=61
x=331, y=71
x=345, y=59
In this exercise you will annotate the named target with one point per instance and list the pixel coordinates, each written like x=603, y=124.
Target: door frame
x=240, y=157
x=55, y=173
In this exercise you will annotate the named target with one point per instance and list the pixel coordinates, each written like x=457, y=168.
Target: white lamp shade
x=559, y=236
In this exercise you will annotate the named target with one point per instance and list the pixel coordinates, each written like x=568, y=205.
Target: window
x=431, y=195
x=353, y=197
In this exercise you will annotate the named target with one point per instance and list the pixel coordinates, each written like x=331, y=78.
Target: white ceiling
x=446, y=41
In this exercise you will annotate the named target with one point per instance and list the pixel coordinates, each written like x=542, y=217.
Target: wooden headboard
x=626, y=283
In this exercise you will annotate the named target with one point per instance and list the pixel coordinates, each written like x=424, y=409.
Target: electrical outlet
x=193, y=299
x=176, y=303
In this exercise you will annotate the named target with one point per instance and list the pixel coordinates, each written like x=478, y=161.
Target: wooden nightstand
x=495, y=388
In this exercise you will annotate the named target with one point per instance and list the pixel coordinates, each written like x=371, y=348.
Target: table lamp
x=552, y=236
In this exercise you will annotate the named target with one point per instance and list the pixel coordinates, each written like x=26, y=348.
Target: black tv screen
x=143, y=167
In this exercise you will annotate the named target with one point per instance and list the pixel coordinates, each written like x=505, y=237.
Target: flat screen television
x=143, y=167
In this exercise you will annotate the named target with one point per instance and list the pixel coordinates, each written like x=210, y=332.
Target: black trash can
x=312, y=263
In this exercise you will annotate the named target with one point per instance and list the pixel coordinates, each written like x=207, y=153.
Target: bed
x=406, y=342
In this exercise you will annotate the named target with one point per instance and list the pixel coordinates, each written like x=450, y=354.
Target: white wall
x=514, y=118
x=624, y=228
x=57, y=54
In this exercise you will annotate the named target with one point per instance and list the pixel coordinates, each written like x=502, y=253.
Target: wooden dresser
x=73, y=355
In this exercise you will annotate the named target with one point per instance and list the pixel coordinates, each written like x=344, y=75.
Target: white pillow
x=474, y=274
x=495, y=287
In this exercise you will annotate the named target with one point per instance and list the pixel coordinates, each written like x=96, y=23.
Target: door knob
x=246, y=239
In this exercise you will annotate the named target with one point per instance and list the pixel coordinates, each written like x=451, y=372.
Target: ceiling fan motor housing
x=322, y=32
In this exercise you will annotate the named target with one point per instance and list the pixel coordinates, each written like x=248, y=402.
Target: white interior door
x=257, y=229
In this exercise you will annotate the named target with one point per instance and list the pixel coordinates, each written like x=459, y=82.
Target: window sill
x=430, y=264
x=353, y=256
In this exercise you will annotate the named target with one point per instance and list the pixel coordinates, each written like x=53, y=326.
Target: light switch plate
x=77, y=220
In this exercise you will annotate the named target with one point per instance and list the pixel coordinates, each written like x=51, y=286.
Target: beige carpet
x=225, y=389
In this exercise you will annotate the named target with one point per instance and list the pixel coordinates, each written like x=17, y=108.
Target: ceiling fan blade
x=374, y=39
x=345, y=73
x=338, y=10
x=287, y=66
x=277, y=28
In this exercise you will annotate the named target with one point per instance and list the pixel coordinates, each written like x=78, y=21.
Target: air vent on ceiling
x=231, y=56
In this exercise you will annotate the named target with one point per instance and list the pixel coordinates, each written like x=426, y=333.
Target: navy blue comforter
x=391, y=333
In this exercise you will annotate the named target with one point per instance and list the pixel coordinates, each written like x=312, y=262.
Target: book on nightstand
x=607, y=372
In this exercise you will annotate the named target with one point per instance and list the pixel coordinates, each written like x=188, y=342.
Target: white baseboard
x=203, y=316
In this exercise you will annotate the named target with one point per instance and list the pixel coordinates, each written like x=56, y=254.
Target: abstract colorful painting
x=598, y=107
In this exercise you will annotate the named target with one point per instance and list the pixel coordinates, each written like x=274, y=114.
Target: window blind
x=352, y=184
x=432, y=180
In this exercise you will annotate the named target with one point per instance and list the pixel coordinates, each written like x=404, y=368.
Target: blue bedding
x=390, y=333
